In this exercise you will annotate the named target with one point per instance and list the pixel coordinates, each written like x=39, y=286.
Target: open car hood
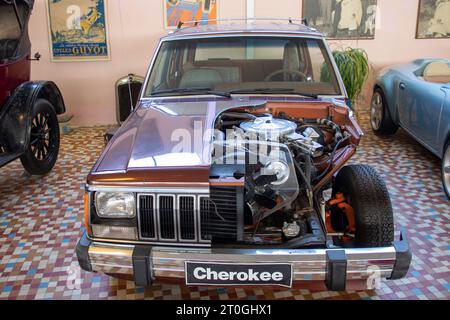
x=162, y=134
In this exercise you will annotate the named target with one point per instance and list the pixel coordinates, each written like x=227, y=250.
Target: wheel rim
x=446, y=169
x=43, y=137
x=376, y=111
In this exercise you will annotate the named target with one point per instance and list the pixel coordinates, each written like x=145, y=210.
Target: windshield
x=242, y=65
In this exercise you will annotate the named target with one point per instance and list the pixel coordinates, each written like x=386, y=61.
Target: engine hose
x=338, y=133
x=330, y=165
x=237, y=115
x=308, y=182
x=230, y=123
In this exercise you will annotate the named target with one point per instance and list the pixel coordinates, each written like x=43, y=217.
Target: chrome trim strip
x=155, y=183
x=99, y=173
x=115, y=260
x=144, y=242
x=308, y=264
x=148, y=189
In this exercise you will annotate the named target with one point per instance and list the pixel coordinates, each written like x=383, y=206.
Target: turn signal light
x=86, y=214
x=114, y=232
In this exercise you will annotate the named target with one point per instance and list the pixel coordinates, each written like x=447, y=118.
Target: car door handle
x=402, y=86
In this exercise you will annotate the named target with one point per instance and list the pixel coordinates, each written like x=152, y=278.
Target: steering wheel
x=275, y=73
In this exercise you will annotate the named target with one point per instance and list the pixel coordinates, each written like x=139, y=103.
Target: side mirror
x=37, y=57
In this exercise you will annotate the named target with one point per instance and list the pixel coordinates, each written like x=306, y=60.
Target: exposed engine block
x=275, y=158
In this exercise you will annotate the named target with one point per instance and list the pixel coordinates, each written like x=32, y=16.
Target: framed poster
x=189, y=10
x=433, y=19
x=342, y=19
x=78, y=30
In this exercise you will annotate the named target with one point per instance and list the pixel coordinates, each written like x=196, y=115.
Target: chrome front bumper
x=334, y=266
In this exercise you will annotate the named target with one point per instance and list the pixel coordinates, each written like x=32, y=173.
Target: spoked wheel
x=446, y=169
x=43, y=148
x=361, y=207
x=380, y=119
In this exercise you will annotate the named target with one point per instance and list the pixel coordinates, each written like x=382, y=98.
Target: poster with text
x=189, y=10
x=78, y=30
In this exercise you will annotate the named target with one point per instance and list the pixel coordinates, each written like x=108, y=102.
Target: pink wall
x=136, y=25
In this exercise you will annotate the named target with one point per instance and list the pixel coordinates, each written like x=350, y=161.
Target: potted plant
x=353, y=64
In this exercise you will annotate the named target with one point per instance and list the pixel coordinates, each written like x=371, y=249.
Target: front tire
x=366, y=193
x=445, y=169
x=42, y=151
x=380, y=119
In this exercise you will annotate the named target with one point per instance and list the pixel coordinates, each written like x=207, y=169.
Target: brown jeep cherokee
x=230, y=171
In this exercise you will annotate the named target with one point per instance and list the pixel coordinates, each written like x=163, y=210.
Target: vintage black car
x=29, y=127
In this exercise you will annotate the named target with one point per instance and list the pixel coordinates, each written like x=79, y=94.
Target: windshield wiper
x=228, y=94
x=274, y=91
x=192, y=91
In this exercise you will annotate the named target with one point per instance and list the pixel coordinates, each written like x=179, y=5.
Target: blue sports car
x=416, y=97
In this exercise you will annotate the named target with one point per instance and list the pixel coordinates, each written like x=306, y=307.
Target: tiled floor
x=41, y=220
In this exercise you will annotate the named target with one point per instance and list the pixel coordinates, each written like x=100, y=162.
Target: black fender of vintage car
x=16, y=114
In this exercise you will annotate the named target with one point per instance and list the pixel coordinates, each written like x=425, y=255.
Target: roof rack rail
x=195, y=23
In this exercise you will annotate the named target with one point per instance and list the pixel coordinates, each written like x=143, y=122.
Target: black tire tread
x=371, y=203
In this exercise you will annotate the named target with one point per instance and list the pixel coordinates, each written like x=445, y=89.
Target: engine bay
x=280, y=164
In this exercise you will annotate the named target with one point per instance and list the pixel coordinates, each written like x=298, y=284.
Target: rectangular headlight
x=115, y=204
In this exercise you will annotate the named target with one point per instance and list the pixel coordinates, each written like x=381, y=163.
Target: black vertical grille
x=147, y=216
x=167, y=217
x=220, y=213
x=192, y=218
x=205, y=212
x=187, y=217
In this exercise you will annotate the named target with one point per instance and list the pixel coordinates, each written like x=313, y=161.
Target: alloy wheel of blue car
x=376, y=111
x=380, y=118
x=446, y=169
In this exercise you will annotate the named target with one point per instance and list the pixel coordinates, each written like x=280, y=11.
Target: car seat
x=199, y=78
x=438, y=72
x=291, y=61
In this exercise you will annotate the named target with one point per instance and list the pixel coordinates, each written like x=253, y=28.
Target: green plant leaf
x=353, y=65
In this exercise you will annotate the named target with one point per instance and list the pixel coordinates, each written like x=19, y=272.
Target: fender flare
x=16, y=116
